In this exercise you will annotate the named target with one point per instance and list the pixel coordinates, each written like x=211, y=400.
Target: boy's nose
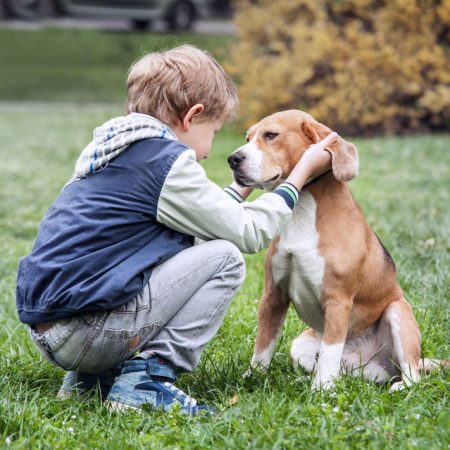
x=235, y=159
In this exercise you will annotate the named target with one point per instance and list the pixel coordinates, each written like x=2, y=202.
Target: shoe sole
x=111, y=405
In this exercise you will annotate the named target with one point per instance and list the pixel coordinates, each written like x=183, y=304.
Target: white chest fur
x=297, y=266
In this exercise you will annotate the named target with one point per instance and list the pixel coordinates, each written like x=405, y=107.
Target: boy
x=114, y=279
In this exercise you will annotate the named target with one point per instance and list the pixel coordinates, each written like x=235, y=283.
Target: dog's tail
x=428, y=365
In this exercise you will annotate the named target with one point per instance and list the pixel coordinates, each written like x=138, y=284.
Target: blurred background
x=364, y=67
x=141, y=14
x=79, y=51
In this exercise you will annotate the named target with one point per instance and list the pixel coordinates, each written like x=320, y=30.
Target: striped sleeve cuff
x=234, y=194
x=289, y=193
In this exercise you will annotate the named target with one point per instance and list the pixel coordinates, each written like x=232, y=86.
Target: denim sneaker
x=150, y=382
x=82, y=383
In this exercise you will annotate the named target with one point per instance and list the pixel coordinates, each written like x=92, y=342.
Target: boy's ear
x=344, y=156
x=189, y=116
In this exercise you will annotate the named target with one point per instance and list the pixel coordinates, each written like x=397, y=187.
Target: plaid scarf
x=114, y=137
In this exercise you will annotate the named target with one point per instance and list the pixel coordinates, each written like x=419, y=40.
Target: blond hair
x=167, y=84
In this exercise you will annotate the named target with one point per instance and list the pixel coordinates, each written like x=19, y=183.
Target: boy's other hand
x=316, y=159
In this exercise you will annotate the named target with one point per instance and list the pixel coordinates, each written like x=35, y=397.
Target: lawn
x=403, y=190
x=81, y=65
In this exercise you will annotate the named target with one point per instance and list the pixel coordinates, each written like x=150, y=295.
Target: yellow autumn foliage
x=360, y=66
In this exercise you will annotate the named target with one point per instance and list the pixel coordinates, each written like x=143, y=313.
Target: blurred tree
x=360, y=66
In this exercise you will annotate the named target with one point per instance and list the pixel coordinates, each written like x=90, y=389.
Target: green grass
x=81, y=65
x=403, y=189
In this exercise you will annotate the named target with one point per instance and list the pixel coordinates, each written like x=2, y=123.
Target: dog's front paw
x=254, y=367
x=306, y=362
x=398, y=386
x=319, y=384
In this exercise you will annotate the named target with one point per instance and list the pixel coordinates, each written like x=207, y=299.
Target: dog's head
x=277, y=143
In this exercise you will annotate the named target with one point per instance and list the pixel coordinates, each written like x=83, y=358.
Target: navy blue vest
x=99, y=240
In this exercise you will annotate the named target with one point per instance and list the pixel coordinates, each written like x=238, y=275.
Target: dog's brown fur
x=359, y=291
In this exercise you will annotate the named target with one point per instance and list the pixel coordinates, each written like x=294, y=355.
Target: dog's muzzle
x=235, y=160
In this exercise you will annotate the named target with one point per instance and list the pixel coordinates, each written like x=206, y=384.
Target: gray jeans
x=178, y=312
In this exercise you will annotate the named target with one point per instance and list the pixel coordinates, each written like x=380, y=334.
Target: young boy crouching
x=114, y=288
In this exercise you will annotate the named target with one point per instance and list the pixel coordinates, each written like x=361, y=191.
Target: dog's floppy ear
x=344, y=156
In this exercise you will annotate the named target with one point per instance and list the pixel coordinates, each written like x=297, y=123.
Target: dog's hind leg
x=367, y=355
x=305, y=349
x=399, y=317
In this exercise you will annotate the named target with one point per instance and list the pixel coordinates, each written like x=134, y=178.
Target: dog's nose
x=235, y=159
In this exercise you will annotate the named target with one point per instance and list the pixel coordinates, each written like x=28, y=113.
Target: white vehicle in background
x=177, y=14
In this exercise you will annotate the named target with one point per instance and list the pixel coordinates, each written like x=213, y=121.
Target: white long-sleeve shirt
x=191, y=203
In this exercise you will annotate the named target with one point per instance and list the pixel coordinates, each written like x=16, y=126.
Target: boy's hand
x=243, y=191
x=315, y=161
x=316, y=158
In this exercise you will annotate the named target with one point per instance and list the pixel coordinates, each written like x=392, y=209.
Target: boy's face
x=199, y=136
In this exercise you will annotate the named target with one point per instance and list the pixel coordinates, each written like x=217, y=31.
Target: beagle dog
x=329, y=264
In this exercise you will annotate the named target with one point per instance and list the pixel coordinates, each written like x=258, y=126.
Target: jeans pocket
x=60, y=333
x=107, y=351
x=112, y=350
x=116, y=346
x=80, y=337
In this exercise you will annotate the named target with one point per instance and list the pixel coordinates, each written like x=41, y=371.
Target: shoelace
x=188, y=401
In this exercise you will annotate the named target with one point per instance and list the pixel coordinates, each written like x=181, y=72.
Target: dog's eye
x=269, y=135
x=247, y=138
